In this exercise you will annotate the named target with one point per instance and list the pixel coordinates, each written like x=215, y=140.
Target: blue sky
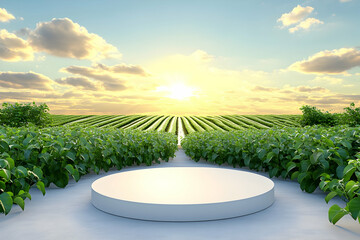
x=181, y=57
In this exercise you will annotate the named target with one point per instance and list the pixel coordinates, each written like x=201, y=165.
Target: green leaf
x=314, y=157
x=273, y=172
x=11, y=162
x=295, y=175
x=27, y=140
x=74, y=172
x=346, y=144
x=214, y=156
x=24, y=194
x=27, y=154
x=71, y=155
x=302, y=176
x=349, y=186
x=6, y=174
x=7, y=163
x=290, y=166
x=328, y=142
x=22, y=171
x=305, y=165
x=348, y=171
x=269, y=156
x=62, y=179
x=343, y=153
x=70, y=168
x=38, y=172
x=40, y=185
x=325, y=164
x=6, y=203
x=340, y=171
x=19, y=201
x=4, y=145
x=336, y=213
x=330, y=196
x=262, y=154
x=354, y=207
x=2, y=186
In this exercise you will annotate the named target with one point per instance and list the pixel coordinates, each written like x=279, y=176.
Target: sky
x=189, y=57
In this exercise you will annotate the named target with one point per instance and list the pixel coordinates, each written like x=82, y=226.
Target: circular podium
x=182, y=193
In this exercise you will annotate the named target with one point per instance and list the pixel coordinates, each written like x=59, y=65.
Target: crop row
x=328, y=158
x=172, y=123
x=33, y=156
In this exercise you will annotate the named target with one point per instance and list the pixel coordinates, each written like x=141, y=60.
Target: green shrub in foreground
x=311, y=155
x=18, y=114
x=49, y=155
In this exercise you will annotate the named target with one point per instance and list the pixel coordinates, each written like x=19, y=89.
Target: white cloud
x=337, y=61
x=64, y=38
x=13, y=48
x=345, y=1
x=5, y=16
x=201, y=55
x=25, y=80
x=328, y=80
x=295, y=16
x=306, y=24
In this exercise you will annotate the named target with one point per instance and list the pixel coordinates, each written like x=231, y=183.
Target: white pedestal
x=182, y=193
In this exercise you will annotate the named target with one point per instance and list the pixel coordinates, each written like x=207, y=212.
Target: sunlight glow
x=180, y=91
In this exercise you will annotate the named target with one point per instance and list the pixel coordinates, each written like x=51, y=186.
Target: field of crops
x=180, y=124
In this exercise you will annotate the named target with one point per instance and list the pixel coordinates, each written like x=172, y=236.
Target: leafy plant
x=18, y=114
x=351, y=115
x=303, y=154
x=43, y=156
x=347, y=188
x=313, y=116
x=15, y=182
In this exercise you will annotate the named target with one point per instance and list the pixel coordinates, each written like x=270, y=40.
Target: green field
x=178, y=124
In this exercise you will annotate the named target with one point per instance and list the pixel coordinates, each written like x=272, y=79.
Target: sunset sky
x=203, y=57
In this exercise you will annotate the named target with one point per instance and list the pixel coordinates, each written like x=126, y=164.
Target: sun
x=180, y=91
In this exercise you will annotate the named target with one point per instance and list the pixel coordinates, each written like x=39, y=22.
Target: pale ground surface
x=68, y=214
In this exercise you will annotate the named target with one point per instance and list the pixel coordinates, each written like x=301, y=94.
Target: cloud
x=25, y=80
x=201, y=55
x=89, y=72
x=109, y=81
x=29, y=96
x=13, y=48
x=337, y=61
x=310, y=89
x=82, y=82
x=264, y=89
x=123, y=68
x=295, y=16
x=328, y=80
x=345, y=1
x=64, y=38
x=306, y=24
x=5, y=16
x=23, y=32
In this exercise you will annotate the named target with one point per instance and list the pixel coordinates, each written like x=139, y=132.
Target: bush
x=18, y=114
x=313, y=116
x=352, y=115
x=32, y=156
x=316, y=156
